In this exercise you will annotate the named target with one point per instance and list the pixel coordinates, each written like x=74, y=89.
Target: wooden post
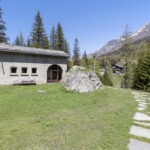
x=72, y=61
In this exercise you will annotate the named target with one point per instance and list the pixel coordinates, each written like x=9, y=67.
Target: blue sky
x=93, y=22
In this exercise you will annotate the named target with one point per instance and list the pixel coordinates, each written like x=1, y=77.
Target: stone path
x=142, y=123
x=141, y=120
x=141, y=117
x=138, y=145
x=140, y=131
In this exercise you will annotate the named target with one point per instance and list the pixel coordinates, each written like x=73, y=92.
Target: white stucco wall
x=42, y=63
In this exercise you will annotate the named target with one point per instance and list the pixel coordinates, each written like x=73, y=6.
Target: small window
x=13, y=70
x=34, y=70
x=24, y=70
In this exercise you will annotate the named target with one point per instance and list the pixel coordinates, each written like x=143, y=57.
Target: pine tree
x=107, y=78
x=38, y=32
x=60, y=38
x=128, y=75
x=46, y=44
x=85, y=61
x=53, y=39
x=29, y=42
x=76, y=52
x=141, y=79
x=19, y=40
x=67, y=50
x=3, y=38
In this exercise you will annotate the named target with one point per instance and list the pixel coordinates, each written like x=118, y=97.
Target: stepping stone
x=142, y=123
x=136, y=96
x=140, y=131
x=141, y=117
x=140, y=100
x=138, y=145
x=141, y=108
x=41, y=92
x=141, y=105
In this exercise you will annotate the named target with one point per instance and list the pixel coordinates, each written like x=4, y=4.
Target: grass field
x=61, y=120
x=117, y=80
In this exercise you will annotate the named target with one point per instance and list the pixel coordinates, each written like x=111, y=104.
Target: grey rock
x=81, y=81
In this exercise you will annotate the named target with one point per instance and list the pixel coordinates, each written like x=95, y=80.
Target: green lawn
x=61, y=120
x=117, y=80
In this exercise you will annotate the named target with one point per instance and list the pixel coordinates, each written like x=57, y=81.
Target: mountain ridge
x=115, y=44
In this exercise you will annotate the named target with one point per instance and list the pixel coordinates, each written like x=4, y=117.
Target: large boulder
x=80, y=80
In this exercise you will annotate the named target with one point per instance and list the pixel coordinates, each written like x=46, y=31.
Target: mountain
x=115, y=44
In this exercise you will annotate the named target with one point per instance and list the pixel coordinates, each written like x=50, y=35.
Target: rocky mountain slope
x=115, y=44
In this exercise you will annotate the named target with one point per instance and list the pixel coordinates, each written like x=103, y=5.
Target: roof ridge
x=31, y=50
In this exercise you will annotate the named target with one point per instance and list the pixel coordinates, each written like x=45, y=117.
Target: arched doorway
x=54, y=73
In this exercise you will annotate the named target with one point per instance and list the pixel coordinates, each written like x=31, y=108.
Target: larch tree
x=76, y=52
x=38, y=32
x=3, y=37
x=53, y=39
x=128, y=76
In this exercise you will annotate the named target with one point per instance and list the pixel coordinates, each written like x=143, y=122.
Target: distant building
x=102, y=71
x=25, y=65
x=117, y=69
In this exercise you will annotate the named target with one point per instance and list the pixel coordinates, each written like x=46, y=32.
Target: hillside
x=115, y=44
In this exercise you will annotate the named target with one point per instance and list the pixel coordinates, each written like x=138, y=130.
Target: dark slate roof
x=31, y=50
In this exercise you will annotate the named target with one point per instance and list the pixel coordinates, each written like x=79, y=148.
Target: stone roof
x=31, y=50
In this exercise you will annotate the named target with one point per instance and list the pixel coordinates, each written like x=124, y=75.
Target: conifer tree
x=85, y=61
x=60, y=38
x=46, y=44
x=38, y=32
x=94, y=63
x=107, y=78
x=53, y=39
x=141, y=79
x=67, y=50
x=19, y=40
x=76, y=52
x=29, y=42
x=3, y=38
x=127, y=79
